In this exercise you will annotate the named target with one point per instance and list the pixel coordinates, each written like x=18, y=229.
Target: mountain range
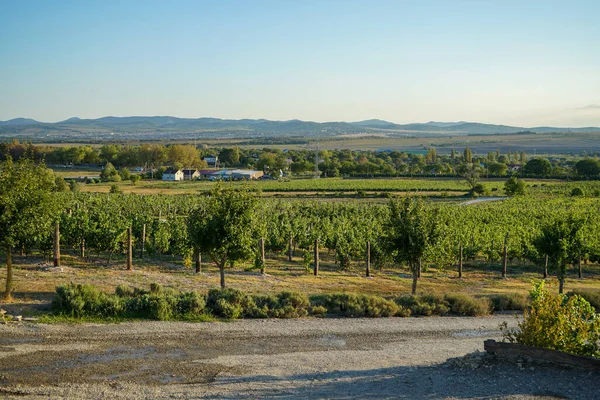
x=162, y=126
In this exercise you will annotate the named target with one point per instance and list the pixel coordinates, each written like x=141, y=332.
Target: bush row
x=167, y=304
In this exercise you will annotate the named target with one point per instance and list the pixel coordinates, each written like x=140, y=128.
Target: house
x=514, y=167
x=191, y=174
x=212, y=161
x=172, y=174
x=246, y=174
x=221, y=174
x=206, y=173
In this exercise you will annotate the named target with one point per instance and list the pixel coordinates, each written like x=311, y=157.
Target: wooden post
x=290, y=249
x=129, y=250
x=493, y=258
x=82, y=248
x=504, y=257
x=579, y=264
x=316, y=258
x=57, y=244
x=261, y=245
x=546, y=267
x=143, y=241
x=460, y=260
x=368, y=271
x=198, y=261
x=9, y=274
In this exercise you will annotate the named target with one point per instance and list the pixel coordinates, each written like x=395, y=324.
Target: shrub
x=353, y=305
x=160, y=306
x=591, y=296
x=577, y=191
x=85, y=300
x=425, y=305
x=558, y=322
x=115, y=189
x=512, y=301
x=190, y=304
x=229, y=303
x=318, y=311
x=468, y=305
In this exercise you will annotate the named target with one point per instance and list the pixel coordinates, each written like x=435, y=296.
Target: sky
x=526, y=63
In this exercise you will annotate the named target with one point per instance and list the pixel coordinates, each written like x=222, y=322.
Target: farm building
x=206, y=173
x=246, y=174
x=191, y=174
x=172, y=175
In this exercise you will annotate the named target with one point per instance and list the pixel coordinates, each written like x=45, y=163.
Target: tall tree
x=224, y=228
x=27, y=207
x=411, y=229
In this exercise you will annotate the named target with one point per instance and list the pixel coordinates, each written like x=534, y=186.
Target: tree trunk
x=82, y=248
x=561, y=284
x=419, y=267
x=57, y=244
x=580, y=272
x=504, y=259
x=261, y=245
x=222, y=272
x=415, y=270
x=290, y=249
x=368, y=271
x=460, y=261
x=9, y=274
x=143, y=241
x=198, y=261
x=129, y=251
x=316, y=258
x=546, y=267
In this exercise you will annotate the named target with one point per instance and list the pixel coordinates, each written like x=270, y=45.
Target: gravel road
x=300, y=358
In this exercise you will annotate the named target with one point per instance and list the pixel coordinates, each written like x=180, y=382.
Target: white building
x=172, y=175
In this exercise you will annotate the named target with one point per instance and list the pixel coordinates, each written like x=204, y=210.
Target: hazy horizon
x=512, y=63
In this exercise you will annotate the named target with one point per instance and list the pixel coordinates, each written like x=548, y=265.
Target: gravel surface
x=300, y=358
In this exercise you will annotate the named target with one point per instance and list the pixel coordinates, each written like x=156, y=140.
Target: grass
x=34, y=288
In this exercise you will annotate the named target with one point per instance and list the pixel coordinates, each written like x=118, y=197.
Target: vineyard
x=285, y=238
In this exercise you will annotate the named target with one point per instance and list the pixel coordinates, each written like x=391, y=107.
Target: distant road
x=481, y=200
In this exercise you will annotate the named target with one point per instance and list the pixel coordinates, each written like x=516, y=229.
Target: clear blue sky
x=498, y=61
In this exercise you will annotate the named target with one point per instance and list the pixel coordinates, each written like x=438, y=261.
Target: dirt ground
x=300, y=358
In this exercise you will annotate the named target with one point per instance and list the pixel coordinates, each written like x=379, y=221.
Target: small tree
x=411, y=229
x=514, y=187
x=27, y=207
x=110, y=173
x=561, y=240
x=224, y=227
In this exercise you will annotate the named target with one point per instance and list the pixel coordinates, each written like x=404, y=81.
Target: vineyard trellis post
x=290, y=249
x=546, y=267
x=129, y=250
x=580, y=272
x=316, y=258
x=261, y=245
x=460, y=259
x=368, y=271
x=57, y=244
x=505, y=256
x=143, y=241
x=198, y=261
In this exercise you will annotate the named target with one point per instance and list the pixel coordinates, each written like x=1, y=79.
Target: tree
x=467, y=155
x=561, y=239
x=411, y=230
x=537, y=166
x=27, y=207
x=471, y=174
x=230, y=156
x=497, y=168
x=224, y=227
x=588, y=167
x=514, y=187
x=110, y=173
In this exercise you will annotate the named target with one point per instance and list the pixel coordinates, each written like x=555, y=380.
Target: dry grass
x=34, y=287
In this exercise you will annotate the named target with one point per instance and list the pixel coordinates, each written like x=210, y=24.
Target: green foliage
x=577, y=191
x=537, y=167
x=125, y=174
x=424, y=305
x=514, y=187
x=86, y=301
x=60, y=185
x=355, y=305
x=228, y=303
x=110, y=173
x=509, y=302
x=558, y=322
x=468, y=305
x=591, y=296
x=115, y=189
x=135, y=179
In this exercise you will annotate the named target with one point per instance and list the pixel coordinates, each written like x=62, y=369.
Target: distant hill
x=158, y=127
x=19, y=121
